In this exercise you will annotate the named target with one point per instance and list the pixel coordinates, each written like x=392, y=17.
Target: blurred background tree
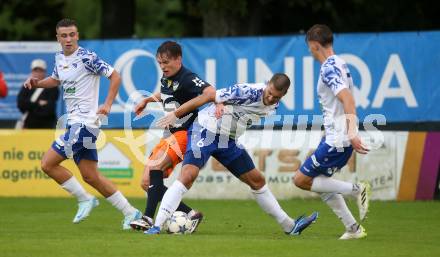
x=29, y=20
x=35, y=20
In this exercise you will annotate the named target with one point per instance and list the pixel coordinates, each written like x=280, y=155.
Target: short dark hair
x=280, y=81
x=170, y=48
x=66, y=22
x=320, y=33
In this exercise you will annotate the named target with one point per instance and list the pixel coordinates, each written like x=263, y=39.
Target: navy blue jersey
x=179, y=89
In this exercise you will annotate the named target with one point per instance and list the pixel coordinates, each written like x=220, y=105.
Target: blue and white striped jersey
x=333, y=77
x=243, y=107
x=79, y=75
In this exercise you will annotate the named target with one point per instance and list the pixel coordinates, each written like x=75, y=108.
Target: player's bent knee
x=257, y=185
x=302, y=183
x=160, y=161
x=258, y=182
x=144, y=185
x=90, y=179
x=188, y=175
x=254, y=179
x=157, y=166
x=45, y=166
x=297, y=181
x=187, y=179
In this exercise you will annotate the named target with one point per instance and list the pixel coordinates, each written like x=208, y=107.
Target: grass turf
x=42, y=227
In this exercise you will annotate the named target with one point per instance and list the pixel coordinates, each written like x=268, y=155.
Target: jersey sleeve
x=238, y=94
x=96, y=65
x=332, y=77
x=194, y=84
x=55, y=71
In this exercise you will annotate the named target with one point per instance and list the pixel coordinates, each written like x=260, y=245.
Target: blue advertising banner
x=395, y=74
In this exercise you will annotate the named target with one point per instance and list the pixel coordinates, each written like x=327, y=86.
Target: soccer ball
x=178, y=223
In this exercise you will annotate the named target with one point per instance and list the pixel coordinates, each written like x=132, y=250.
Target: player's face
x=169, y=65
x=38, y=73
x=271, y=95
x=314, y=48
x=68, y=38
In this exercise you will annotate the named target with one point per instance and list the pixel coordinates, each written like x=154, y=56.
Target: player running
x=179, y=85
x=243, y=104
x=341, y=136
x=78, y=70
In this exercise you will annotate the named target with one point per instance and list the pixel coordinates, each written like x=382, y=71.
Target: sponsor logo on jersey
x=175, y=85
x=70, y=90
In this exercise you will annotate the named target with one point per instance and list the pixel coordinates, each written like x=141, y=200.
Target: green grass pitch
x=42, y=227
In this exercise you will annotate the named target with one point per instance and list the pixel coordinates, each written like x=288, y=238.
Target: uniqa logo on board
x=130, y=74
x=113, y=163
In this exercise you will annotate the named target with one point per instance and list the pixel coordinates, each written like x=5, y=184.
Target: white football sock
x=191, y=213
x=323, y=184
x=170, y=201
x=121, y=203
x=270, y=205
x=337, y=203
x=73, y=186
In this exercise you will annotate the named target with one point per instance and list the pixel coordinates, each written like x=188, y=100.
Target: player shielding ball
x=341, y=136
x=242, y=104
x=178, y=86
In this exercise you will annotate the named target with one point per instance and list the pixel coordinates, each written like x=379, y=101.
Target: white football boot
x=130, y=218
x=196, y=218
x=84, y=209
x=143, y=224
x=359, y=233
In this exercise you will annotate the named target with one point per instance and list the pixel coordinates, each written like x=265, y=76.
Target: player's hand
x=31, y=83
x=104, y=109
x=219, y=110
x=167, y=120
x=358, y=146
x=140, y=107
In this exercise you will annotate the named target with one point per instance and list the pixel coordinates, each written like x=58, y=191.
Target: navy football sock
x=155, y=193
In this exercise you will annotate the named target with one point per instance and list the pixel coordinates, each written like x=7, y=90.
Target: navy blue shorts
x=202, y=144
x=78, y=142
x=326, y=160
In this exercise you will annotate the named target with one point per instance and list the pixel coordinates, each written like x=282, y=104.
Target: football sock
x=323, y=184
x=190, y=213
x=73, y=186
x=270, y=205
x=121, y=203
x=337, y=203
x=183, y=207
x=156, y=190
x=170, y=201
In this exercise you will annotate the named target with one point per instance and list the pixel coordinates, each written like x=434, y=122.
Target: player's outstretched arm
x=208, y=95
x=139, y=108
x=347, y=100
x=48, y=82
x=115, y=82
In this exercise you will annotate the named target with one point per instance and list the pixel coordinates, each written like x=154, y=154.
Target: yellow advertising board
x=21, y=152
x=122, y=155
